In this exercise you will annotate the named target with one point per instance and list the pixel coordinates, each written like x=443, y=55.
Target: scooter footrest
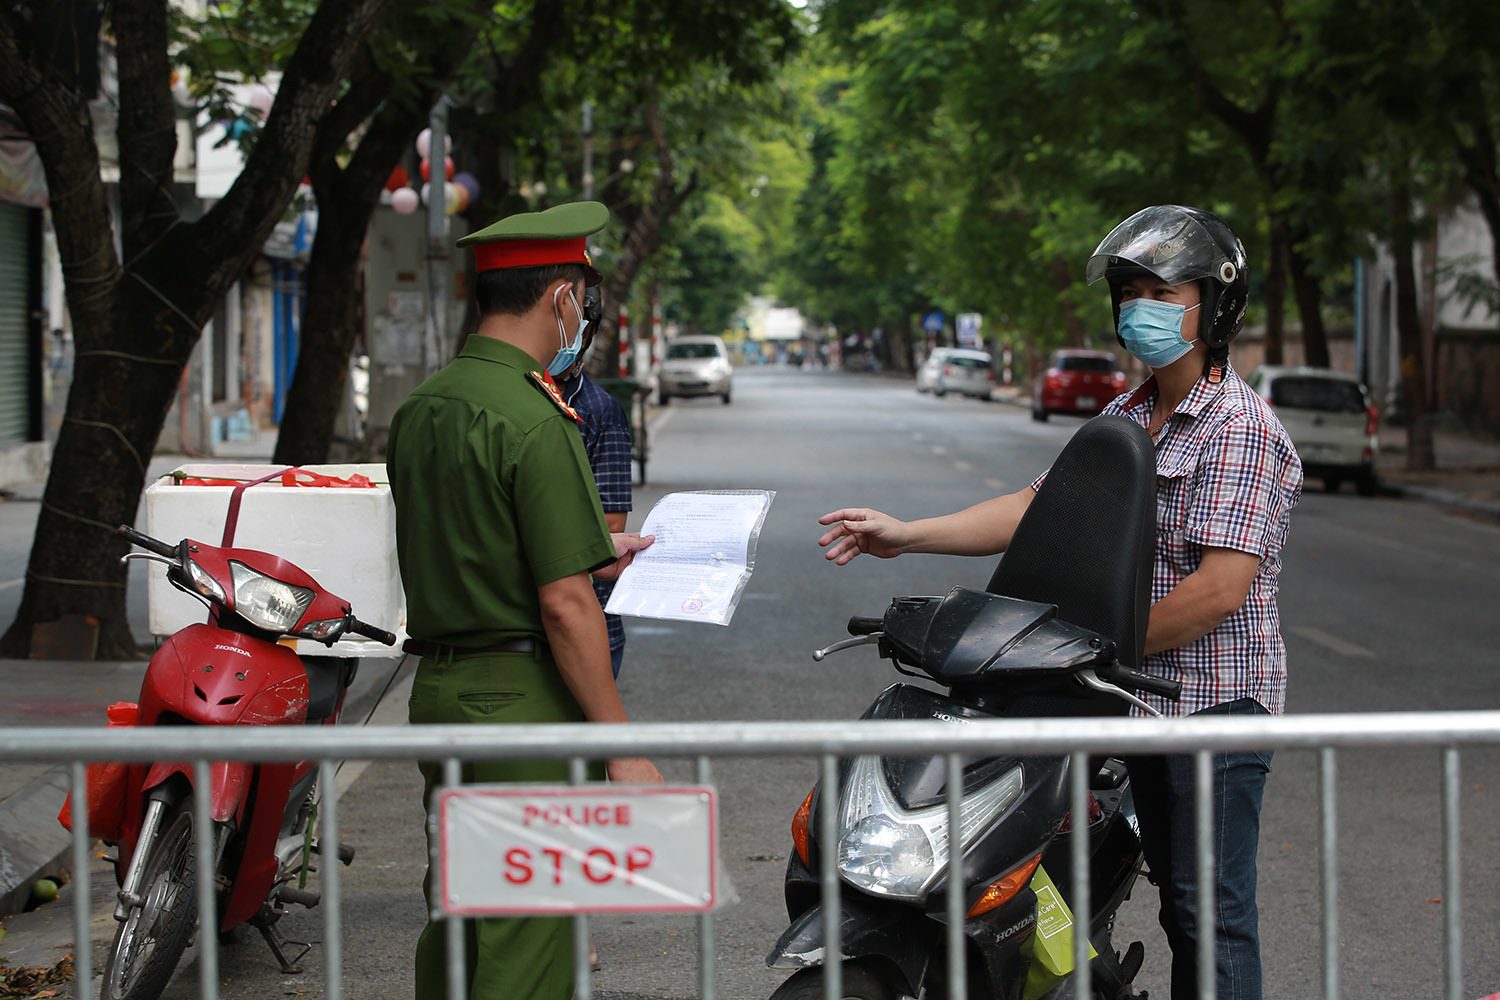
x=291, y=894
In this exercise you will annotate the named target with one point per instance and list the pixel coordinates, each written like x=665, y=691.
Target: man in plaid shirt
x=606, y=441
x=1227, y=479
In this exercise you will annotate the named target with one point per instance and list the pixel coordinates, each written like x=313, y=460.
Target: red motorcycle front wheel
x=152, y=937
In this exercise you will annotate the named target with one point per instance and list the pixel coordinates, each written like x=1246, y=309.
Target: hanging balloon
x=426, y=194
x=447, y=167
x=424, y=142
x=468, y=182
x=399, y=179
x=261, y=100
x=458, y=199
x=405, y=201
x=447, y=144
x=425, y=169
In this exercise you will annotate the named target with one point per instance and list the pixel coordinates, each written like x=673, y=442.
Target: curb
x=28, y=849
x=1488, y=509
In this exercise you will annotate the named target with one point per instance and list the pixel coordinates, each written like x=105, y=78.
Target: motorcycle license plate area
x=518, y=849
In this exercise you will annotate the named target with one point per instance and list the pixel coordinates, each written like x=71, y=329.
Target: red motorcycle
x=232, y=671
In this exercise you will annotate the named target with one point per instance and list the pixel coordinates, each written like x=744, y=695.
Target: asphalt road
x=1385, y=606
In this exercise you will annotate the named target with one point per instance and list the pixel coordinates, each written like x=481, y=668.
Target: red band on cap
x=529, y=253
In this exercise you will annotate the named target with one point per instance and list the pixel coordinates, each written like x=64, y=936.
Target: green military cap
x=557, y=235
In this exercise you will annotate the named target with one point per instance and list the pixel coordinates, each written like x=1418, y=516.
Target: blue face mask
x=568, y=353
x=1152, y=330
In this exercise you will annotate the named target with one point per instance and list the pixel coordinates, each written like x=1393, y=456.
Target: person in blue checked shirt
x=606, y=441
x=1227, y=480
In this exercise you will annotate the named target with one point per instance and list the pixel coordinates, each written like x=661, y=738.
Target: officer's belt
x=423, y=647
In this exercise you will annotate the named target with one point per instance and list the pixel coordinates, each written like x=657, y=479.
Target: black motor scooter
x=1059, y=631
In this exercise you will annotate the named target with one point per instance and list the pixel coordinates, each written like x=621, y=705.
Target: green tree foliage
x=967, y=155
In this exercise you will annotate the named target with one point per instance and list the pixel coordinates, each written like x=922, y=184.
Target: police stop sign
x=509, y=849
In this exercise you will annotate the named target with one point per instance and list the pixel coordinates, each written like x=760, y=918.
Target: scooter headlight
x=266, y=602
x=890, y=851
x=880, y=852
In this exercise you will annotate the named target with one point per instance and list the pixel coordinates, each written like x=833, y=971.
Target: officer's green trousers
x=512, y=958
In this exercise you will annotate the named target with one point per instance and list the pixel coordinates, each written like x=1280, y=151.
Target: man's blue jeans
x=1164, y=803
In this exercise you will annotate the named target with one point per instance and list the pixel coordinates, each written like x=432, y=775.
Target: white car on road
x=1330, y=419
x=695, y=366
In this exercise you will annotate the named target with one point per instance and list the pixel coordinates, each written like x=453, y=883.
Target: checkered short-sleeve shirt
x=606, y=442
x=1227, y=477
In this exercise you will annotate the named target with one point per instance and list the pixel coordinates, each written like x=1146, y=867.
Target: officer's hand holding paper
x=701, y=560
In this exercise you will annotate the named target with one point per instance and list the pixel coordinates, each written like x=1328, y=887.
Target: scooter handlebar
x=145, y=541
x=1134, y=679
x=371, y=632
x=865, y=626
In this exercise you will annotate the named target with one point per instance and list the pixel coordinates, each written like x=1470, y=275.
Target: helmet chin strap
x=1216, y=363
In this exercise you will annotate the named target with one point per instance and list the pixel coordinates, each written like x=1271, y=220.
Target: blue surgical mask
x=568, y=353
x=1152, y=330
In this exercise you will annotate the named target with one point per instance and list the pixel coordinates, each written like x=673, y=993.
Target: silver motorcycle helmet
x=1175, y=244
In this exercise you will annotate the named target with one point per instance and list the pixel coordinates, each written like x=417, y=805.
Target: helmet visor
x=1164, y=240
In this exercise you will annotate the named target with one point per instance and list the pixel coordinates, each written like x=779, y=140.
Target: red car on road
x=1076, y=381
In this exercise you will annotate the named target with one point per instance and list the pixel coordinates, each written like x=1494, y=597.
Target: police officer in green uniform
x=498, y=528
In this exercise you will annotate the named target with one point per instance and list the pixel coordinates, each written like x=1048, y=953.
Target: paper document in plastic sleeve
x=701, y=560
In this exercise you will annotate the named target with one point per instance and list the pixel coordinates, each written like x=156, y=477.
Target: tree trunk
x=1062, y=280
x=330, y=324
x=642, y=240
x=1419, y=450
x=1275, y=341
x=1309, y=295
x=135, y=328
x=347, y=197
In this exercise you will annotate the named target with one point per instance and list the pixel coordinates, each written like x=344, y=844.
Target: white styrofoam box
x=343, y=538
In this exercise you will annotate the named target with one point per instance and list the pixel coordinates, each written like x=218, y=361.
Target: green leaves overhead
x=969, y=153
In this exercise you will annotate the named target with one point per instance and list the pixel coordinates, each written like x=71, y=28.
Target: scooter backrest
x=1088, y=539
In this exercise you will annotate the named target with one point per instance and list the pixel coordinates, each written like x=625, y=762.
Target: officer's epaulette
x=549, y=389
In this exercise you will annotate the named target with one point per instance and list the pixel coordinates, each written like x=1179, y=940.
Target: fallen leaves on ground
x=28, y=982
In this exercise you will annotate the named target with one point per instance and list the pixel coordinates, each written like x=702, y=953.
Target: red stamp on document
x=692, y=605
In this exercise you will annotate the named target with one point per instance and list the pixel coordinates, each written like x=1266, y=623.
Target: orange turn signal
x=799, y=825
x=1003, y=889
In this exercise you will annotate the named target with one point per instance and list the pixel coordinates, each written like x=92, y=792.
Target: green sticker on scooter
x=1052, y=944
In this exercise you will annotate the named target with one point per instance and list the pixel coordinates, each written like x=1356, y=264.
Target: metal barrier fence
x=828, y=741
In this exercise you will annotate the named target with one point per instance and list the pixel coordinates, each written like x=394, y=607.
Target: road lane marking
x=1332, y=642
x=994, y=484
x=659, y=420
x=938, y=449
x=8, y=584
x=963, y=466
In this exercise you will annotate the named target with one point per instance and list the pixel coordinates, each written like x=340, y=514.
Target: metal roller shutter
x=15, y=350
